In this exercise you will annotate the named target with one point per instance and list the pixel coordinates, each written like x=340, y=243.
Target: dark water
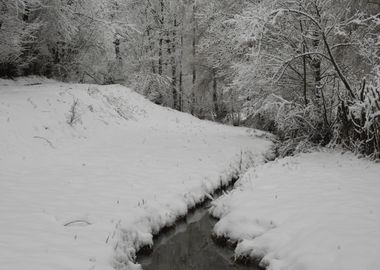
x=189, y=246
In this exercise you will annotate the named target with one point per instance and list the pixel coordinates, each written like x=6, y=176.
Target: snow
x=313, y=211
x=87, y=196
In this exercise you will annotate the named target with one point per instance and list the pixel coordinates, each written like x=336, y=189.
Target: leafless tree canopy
x=307, y=70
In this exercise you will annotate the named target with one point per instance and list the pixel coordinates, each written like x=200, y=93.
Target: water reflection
x=189, y=247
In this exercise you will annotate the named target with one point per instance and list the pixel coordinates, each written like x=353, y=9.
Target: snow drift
x=314, y=211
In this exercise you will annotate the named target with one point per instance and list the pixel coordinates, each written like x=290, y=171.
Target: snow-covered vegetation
x=88, y=173
x=310, y=71
x=219, y=60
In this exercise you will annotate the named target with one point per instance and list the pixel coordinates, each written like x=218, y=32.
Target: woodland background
x=306, y=70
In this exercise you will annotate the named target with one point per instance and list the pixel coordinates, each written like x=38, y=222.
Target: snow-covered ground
x=87, y=196
x=316, y=211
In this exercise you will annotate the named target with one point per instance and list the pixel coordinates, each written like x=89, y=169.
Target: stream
x=189, y=246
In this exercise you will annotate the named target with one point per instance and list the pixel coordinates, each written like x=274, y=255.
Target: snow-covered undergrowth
x=88, y=173
x=315, y=211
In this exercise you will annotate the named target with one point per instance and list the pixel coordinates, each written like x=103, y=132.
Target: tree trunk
x=26, y=13
x=215, y=94
x=161, y=39
x=171, y=49
x=194, y=51
x=117, y=48
x=150, y=50
x=316, y=64
x=176, y=95
x=304, y=67
x=194, y=44
x=181, y=76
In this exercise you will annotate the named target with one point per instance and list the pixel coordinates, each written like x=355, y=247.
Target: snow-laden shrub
x=298, y=127
x=358, y=128
x=156, y=88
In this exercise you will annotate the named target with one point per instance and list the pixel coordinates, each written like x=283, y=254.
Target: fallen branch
x=77, y=221
x=46, y=140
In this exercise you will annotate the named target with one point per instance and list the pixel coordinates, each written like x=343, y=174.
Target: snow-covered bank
x=315, y=211
x=86, y=195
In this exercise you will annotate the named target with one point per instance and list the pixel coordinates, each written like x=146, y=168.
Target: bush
x=300, y=127
x=297, y=126
x=156, y=88
x=358, y=127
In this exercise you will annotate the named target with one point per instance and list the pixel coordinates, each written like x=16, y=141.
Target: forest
x=305, y=70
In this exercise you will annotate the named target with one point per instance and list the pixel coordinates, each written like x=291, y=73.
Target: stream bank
x=190, y=245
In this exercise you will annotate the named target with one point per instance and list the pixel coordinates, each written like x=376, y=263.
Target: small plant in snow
x=73, y=117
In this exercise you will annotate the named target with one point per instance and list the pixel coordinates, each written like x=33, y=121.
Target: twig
x=46, y=140
x=77, y=221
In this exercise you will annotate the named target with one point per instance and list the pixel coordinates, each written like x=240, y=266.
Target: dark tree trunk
x=150, y=50
x=181, y=77
x=161, y=39
x=194, y=79
x=176, y=96
x=160, y=57
x=316, y=64
x=194, y=45
x=304, y=67
x=117, y=48
x=26, y=13
x=215, y=94
x=171, y=54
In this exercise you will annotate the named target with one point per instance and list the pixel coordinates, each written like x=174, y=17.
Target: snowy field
x=316, y=211
x=85, y=196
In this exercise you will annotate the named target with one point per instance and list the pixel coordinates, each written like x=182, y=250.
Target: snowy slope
x=87, y=196
x=315, y=211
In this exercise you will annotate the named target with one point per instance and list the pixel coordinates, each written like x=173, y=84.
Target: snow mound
x=89, y=173
x=314, y=211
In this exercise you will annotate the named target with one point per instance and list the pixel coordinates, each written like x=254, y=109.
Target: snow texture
x=86, y=191
x=315, y=211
